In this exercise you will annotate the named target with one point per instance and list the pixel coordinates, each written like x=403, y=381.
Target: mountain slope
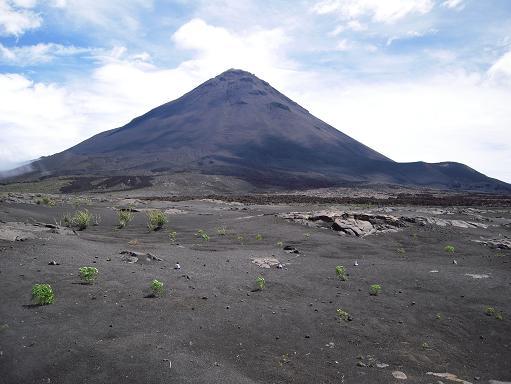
x=237, y=124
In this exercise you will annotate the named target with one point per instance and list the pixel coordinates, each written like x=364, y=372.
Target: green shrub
x=343, y=315
x=173, y=236
x=490, y=311
x=340, y=272
x=81, y=219
x=375, y=289
x=43, y=294
x=156, y=220
x=46, y=200
x=280, y=244
x=125, y=217
x=157, y=288
x=88, y=274
x=259, y=237
x=240, y=238
x=261, y=283
x=449, y=249
x=221, y=231
x=202, y=234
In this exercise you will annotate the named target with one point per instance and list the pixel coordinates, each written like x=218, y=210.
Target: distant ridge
x=238, y=125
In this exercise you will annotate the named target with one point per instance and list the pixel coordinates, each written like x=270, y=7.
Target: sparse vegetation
x=491, y=311
x=240, y=238
x=375, y=289
x=88, y=274
x=46, y=200
x=125, y=217
x=280, y=244
x=96, y=220
x=343, y=315
x=261, y=282
x=259, y=237
x=221, y=231
x=173, y=236
x=157, y=288
x=401, y=251
x=449, y=249
x=43, y=294
x=340, y=272
x=202, y=234
x=81, y=219
x=156, y=219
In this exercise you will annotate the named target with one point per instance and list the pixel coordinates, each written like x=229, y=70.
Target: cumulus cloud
x=388, y=11
x=36, y=54
x=500, y=72
x=16, y=18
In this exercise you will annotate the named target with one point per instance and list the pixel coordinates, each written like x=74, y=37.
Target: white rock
x=399, y=375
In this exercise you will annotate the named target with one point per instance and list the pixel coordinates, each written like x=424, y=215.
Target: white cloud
x=119, y=13
x=454, y=4
x=388, y=11
x=411, y=35
x=500, y=72
x=217, y=49
x=343, y=45
x=39, y=53
x=16, y=19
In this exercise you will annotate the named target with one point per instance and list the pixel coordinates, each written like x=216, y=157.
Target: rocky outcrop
x=362, y=224
x=497, y=243
x=354, y=224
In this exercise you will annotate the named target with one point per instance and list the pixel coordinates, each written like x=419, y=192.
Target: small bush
x=202, y=234
x=449, y=249
x=96, y=220
x=156, y=220
x=157, y=288
x=173, y=236
x=280, y=244
x=490, y=311
x=43, y=294
x=46, y=200
x=125, y=217
x=221, y=231
x=259, y=237
x=81, y=219
x=340, y=272
x=240, y=238
x=343, y=315
x=88, y=274
x=375, y=289
x=261, y=283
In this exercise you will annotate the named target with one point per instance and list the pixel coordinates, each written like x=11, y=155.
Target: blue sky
x=414, y=79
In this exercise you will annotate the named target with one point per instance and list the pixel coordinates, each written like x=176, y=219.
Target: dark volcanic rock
x=238, y=125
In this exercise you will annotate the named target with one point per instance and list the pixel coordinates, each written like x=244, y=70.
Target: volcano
x=238, y=125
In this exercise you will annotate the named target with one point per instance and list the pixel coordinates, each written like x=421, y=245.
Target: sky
x=415, y=80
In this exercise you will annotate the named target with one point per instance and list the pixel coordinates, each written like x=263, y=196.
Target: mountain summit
x=238, y=125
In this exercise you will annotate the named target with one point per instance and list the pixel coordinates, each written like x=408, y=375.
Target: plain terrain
x=213, y=326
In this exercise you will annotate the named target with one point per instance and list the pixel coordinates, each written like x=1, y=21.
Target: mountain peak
x=234, y=72
x=237, y=124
